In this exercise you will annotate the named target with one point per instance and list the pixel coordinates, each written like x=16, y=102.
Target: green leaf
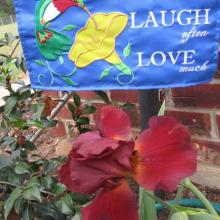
x=19, y=204
x=5, y=161
x=77, y=99
x=179, y=216
x=17, y=122
x=147, y=209
x=202, y=216
x=69, y=81
x=3, y=122
x=105, y=73
x=89, y=110
x=127, y=51
x=83, y=121
x=103, y=95
x=162, y=109
x=69, y=27
x=59, y=189
x=80, y=198
x=8, y=141
x=11, y=201
x=32, y=194
x=40, y=63
x=47, y=182
x=13, y=178
x=68, y=200
x=22, y=168
x=27, y=214
x=34, y=123
x=49, y=123
x=38, y=110
x=76, y=217
x=84, y=130
x=48, y=212
x=71, y=107
x=25, y=95
x=9, y=38
x=61, y=60
x=34, y=181
x=63, y=207
x=29, y=145
x=128, y=106
x=10, y=104
x=50, y=167
x=23, y=65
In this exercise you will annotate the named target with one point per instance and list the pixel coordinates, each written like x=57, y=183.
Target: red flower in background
x=100, y=161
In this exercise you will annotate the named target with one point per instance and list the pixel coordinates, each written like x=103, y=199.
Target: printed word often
x=193, y=33
x=169, y=18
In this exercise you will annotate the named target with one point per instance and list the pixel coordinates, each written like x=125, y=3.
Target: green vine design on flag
x=106, y=72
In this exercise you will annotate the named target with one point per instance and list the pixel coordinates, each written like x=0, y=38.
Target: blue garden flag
x=112, y=44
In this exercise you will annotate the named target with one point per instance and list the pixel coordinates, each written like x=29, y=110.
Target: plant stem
x=10, y=184
x=7, y=183
x=54, y=113
x=147, y=209
x=178, y=197
x=179, y=194
x=6, y=133
x=90, y=15
x=187, y=183
x=157, y=199
x=16, y=46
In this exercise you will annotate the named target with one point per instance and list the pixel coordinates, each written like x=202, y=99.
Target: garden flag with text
x=112, y=44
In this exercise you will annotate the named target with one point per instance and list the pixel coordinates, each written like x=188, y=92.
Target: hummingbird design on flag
x=52, y=44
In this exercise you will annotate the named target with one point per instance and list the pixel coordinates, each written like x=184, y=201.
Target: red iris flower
x=100, y=162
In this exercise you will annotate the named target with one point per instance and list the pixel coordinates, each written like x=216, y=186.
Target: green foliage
x=103, y=96
x=179, y=216
x=128, y=106
x=10, y=65
x=31, y=187
x=192, y=214
x=6, y=8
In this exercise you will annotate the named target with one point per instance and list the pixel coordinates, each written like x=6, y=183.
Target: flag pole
x=149, y=105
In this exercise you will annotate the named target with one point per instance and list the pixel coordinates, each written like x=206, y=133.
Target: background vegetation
x=6, y=8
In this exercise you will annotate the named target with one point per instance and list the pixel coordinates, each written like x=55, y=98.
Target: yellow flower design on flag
x=96, y=41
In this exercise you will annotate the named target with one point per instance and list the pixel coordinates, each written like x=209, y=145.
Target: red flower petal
x=117, y=204
x=65, y=177
x=114, y=123
x=91, y=144
x=165, y=154
x=87, y=176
